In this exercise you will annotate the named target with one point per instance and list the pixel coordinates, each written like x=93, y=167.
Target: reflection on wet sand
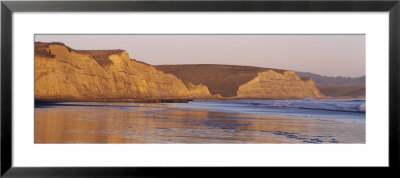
x=159, y=123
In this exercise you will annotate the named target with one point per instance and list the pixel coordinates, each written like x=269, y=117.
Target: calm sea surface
x=222, y=121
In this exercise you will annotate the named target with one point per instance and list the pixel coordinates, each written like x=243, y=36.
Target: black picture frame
x=8, y=7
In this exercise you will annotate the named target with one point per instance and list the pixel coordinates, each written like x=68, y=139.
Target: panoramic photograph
x=199, y=88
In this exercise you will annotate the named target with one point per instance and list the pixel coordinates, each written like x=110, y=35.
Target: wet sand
x=101, y=122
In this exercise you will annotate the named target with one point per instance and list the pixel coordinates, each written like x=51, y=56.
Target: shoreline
x=55, y=101
x=186, y=125
x=167, y=100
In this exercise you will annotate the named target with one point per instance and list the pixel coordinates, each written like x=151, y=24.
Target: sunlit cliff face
x=62, y=73
x=271, y=84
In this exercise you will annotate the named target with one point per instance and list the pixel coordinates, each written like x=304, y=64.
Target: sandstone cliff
x=62, y=73
x=274, y=85
x=246, y=81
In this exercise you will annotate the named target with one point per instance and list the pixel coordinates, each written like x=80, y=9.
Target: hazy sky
x=331, y=55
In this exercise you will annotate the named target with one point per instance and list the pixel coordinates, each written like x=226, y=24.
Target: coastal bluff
x=274, y=85
x=236, y=82
x=65, y=74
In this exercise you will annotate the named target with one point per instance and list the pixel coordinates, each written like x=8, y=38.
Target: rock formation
x=246, y=81
x=274, y=85
x=62, y=73
x=220, y=79
x=65, y=74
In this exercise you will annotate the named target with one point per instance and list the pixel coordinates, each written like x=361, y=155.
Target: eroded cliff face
x=65, y=74
x=278, y=85
x=62, y=73
x=235, y=82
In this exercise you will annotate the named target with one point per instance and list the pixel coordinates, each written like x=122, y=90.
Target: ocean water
x=303, y=121
x=341, y=110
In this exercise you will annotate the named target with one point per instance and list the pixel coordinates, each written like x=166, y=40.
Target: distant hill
x=245, y=81
x=220, y=79
x=347, y=87
x=343, y=91
x=226, y=79
x=326, y=80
